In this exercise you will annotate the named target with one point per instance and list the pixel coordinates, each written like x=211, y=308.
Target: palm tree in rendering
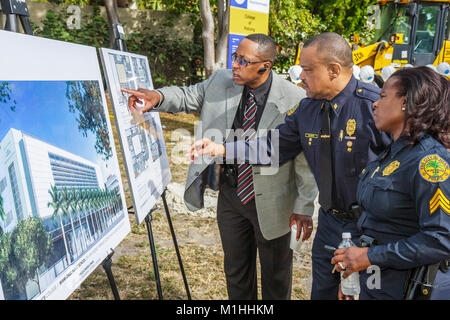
x=84, y=206
x=95, y=206
x=99, y=197
x=75, y=205
x=110, y=195
x=67, y=199
x=88, y=209
x=55, y=203
x=115, y=201
x=2, y=210
x=104, y=197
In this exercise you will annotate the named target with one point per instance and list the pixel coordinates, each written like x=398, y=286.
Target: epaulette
x=367, y=91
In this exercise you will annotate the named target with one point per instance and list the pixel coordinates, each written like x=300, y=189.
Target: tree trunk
x=112, y=11
x=68, y=258
x=223, y=18
x=208, y=36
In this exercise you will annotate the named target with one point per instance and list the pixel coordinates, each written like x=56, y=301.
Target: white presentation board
x=62, y=204
x=141, y=139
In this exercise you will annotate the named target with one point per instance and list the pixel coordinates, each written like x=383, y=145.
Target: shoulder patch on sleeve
x=434, y=169
x=292, y=110
x=439, y=200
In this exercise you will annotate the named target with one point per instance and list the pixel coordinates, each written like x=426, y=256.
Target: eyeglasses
x=243, y=62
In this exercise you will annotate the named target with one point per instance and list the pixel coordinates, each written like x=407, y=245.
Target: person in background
x=334, y=128
x=404, y=194
x=251, y=214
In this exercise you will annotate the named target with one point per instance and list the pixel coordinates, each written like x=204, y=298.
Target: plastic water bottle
x=350, y=286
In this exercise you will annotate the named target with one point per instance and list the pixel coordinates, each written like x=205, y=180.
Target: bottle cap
x=346, y=235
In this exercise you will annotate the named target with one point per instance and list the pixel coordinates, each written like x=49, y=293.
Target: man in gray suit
x=256, y=204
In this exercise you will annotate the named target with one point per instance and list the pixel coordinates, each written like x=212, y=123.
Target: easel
x=148, y=220
x=119, y=44
x=14, y=9
x=107, y=263
x=119, y=38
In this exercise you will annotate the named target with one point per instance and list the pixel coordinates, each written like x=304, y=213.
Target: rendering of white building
x=65, y=191
x=29, y=167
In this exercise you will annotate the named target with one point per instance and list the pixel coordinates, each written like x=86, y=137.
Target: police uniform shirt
x=354, y=138
x=405, y=198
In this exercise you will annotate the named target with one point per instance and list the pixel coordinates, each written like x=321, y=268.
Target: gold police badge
x=433, y=168
x=351, y=127
x=391, y=167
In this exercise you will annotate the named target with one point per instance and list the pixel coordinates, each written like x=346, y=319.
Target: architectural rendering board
x=62, y=205
x=141, y=136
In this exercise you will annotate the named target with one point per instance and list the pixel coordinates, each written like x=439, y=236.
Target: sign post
x=246, y=17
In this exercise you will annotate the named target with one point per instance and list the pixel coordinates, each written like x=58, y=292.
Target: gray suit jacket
x=278, y=193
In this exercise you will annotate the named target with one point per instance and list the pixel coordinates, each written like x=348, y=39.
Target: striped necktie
x=245, y=191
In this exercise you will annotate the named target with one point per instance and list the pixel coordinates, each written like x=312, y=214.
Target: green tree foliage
x=5, y=95
x=172, y=61
x=76, y=2
x=5, y=99
x=176, y=6
x=291, y=22
x=86, y=100
x=192, y=51
x=93, y=31
x=343, y=16
x=22, y=252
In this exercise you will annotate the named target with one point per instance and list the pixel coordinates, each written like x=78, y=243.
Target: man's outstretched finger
x=132, y=92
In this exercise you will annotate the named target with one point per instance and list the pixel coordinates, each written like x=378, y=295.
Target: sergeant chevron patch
x=439, y=200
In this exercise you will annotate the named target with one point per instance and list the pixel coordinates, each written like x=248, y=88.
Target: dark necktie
x=326, y=165
x=245, y=190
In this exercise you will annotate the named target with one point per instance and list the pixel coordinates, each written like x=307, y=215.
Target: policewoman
x=405, y=194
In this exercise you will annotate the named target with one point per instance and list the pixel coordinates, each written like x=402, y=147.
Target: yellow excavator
x=407, y=32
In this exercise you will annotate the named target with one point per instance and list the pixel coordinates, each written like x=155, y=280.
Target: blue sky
x=42, y=111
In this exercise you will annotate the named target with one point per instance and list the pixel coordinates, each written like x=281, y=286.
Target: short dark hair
x=333, y=48
x=427, y=103
x=266, y=46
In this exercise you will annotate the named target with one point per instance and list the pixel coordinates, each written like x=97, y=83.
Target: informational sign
x=62, y=205
x=141, y=137
x=246, y=17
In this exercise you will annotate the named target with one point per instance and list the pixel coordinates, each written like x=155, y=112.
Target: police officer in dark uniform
x=405, y=193
x=334, y=128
